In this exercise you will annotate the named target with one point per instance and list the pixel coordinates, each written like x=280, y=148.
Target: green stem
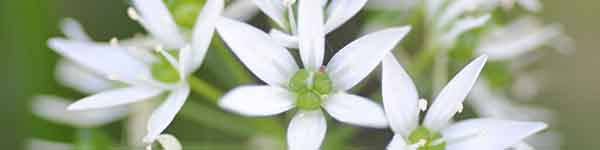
x=205, y=89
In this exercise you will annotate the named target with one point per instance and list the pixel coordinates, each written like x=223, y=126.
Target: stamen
x=114, y=42
x=132, y=13
x=422, y=104
x=288, y=3
x=421, y=143
x=292, y=18
x=460, y=108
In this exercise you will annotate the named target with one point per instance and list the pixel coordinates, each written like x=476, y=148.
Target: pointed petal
x=74, y=76
x=165, y=113
x=464, y=25
x=55, y=109
x=398, y=143
x=159, y=22
x=400, y=97
x=284, y=39
x=311, y=33
x=169, y=142
x=204, y=30
x=272, y=63
x=340, y=11
x=115, y=97
x=241, y=10
x=448, y=101
x=455, y=10
x=477, y=134
x=73, y=30
x=108, y=61
x=306, y=130
x=355, y=110
x=355, y=61
x=257, y=100
x=274, y=9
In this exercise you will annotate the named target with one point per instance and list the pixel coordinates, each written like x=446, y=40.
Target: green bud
x=308, y=101
x=422, y=133
x=298, y=82
x=322, y=83
x=163, y=71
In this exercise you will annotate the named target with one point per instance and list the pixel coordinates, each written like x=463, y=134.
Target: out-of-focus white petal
x=241, y=10
x=272, y=63
x=433, y=7
x=109, y=61
x=477, y=134
x=311, y=34
x=284, y=39
x=398, y=143
x=159, y=22
x=340, y=11
x=257, y=100
x=165, y=113
x=450, y=98
x=74, y=76
x=274, y=9
x=355, y=110
x=169, y=142
x=355, y=61
x=531, y=5
x=400, y=97
x=73, y=30
x=454, y=10
x=55, y=109
x=306, y=130
x=204, y=30
x=115, y=97
x=462, y=26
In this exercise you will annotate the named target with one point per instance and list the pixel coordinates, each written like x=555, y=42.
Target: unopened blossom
x=309, y=88
x=402, y=106
x=143, y=80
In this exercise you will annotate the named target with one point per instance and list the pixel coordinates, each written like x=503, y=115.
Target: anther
x=132, y=13
x=460, y=108
x=422, y=104
x=114, y=42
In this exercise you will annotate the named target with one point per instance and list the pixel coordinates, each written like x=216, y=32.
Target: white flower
x=400, y=99
x=55, y=109
x=118, y=63
x=311, y=88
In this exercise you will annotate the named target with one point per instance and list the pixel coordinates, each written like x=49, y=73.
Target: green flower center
x=185, y=12
x=163, y=71
x=310, y=88
x=426, y=139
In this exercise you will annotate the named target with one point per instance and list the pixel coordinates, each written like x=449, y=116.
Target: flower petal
x=398, y=143
x=257, y=100
x=109, y=61
x=462, y=26
x=451, y=97
x=272, y=63
x=355, y=61
x=159, y=22
x=455, y=10
x=284, y=39
x=400, y=97
x=355, y=110
x=274, y=9
x=74, y=76
x=204, y=30
x=54, y=109
x=311, y=33
x=306, y=130
x=115, y=97
x=165, y=113
x=477, y=134
x=241, y=10
x=169, y=142
x=340, y=11
x=73, y=30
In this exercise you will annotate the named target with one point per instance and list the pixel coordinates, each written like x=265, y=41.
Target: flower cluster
x=290, y=61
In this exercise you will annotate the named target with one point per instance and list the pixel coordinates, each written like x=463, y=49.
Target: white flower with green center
x=436, y=132
x=311, y=88
x=167, y=74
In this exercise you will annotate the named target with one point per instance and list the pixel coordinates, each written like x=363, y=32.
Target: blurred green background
x=569, y=87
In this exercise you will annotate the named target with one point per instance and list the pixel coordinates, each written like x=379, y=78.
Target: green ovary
x=310, y=88
x=431, y=138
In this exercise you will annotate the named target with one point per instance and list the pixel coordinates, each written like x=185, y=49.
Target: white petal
x=159, y=22
x=488, y=134
x=274, y=9
x=306, y=130
x=73, y=30
x=109, y=61
x=257, y=100
x=241, y=10
x=531, y=5
x=270, y=62
x=165, y=113
x=464, y=25
x=74, y=76
x=355, y=110
x=398, y=143
x=204, y=30
x=400, y=97
x=355, y=61
x=516, y=39
x=340, y=11
x=311, y=33
x=433, y=7
x=284, y=39
x=115, y=97
x=55, y=109
x=169, y=142
x=451, y=97
x=454, y=10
